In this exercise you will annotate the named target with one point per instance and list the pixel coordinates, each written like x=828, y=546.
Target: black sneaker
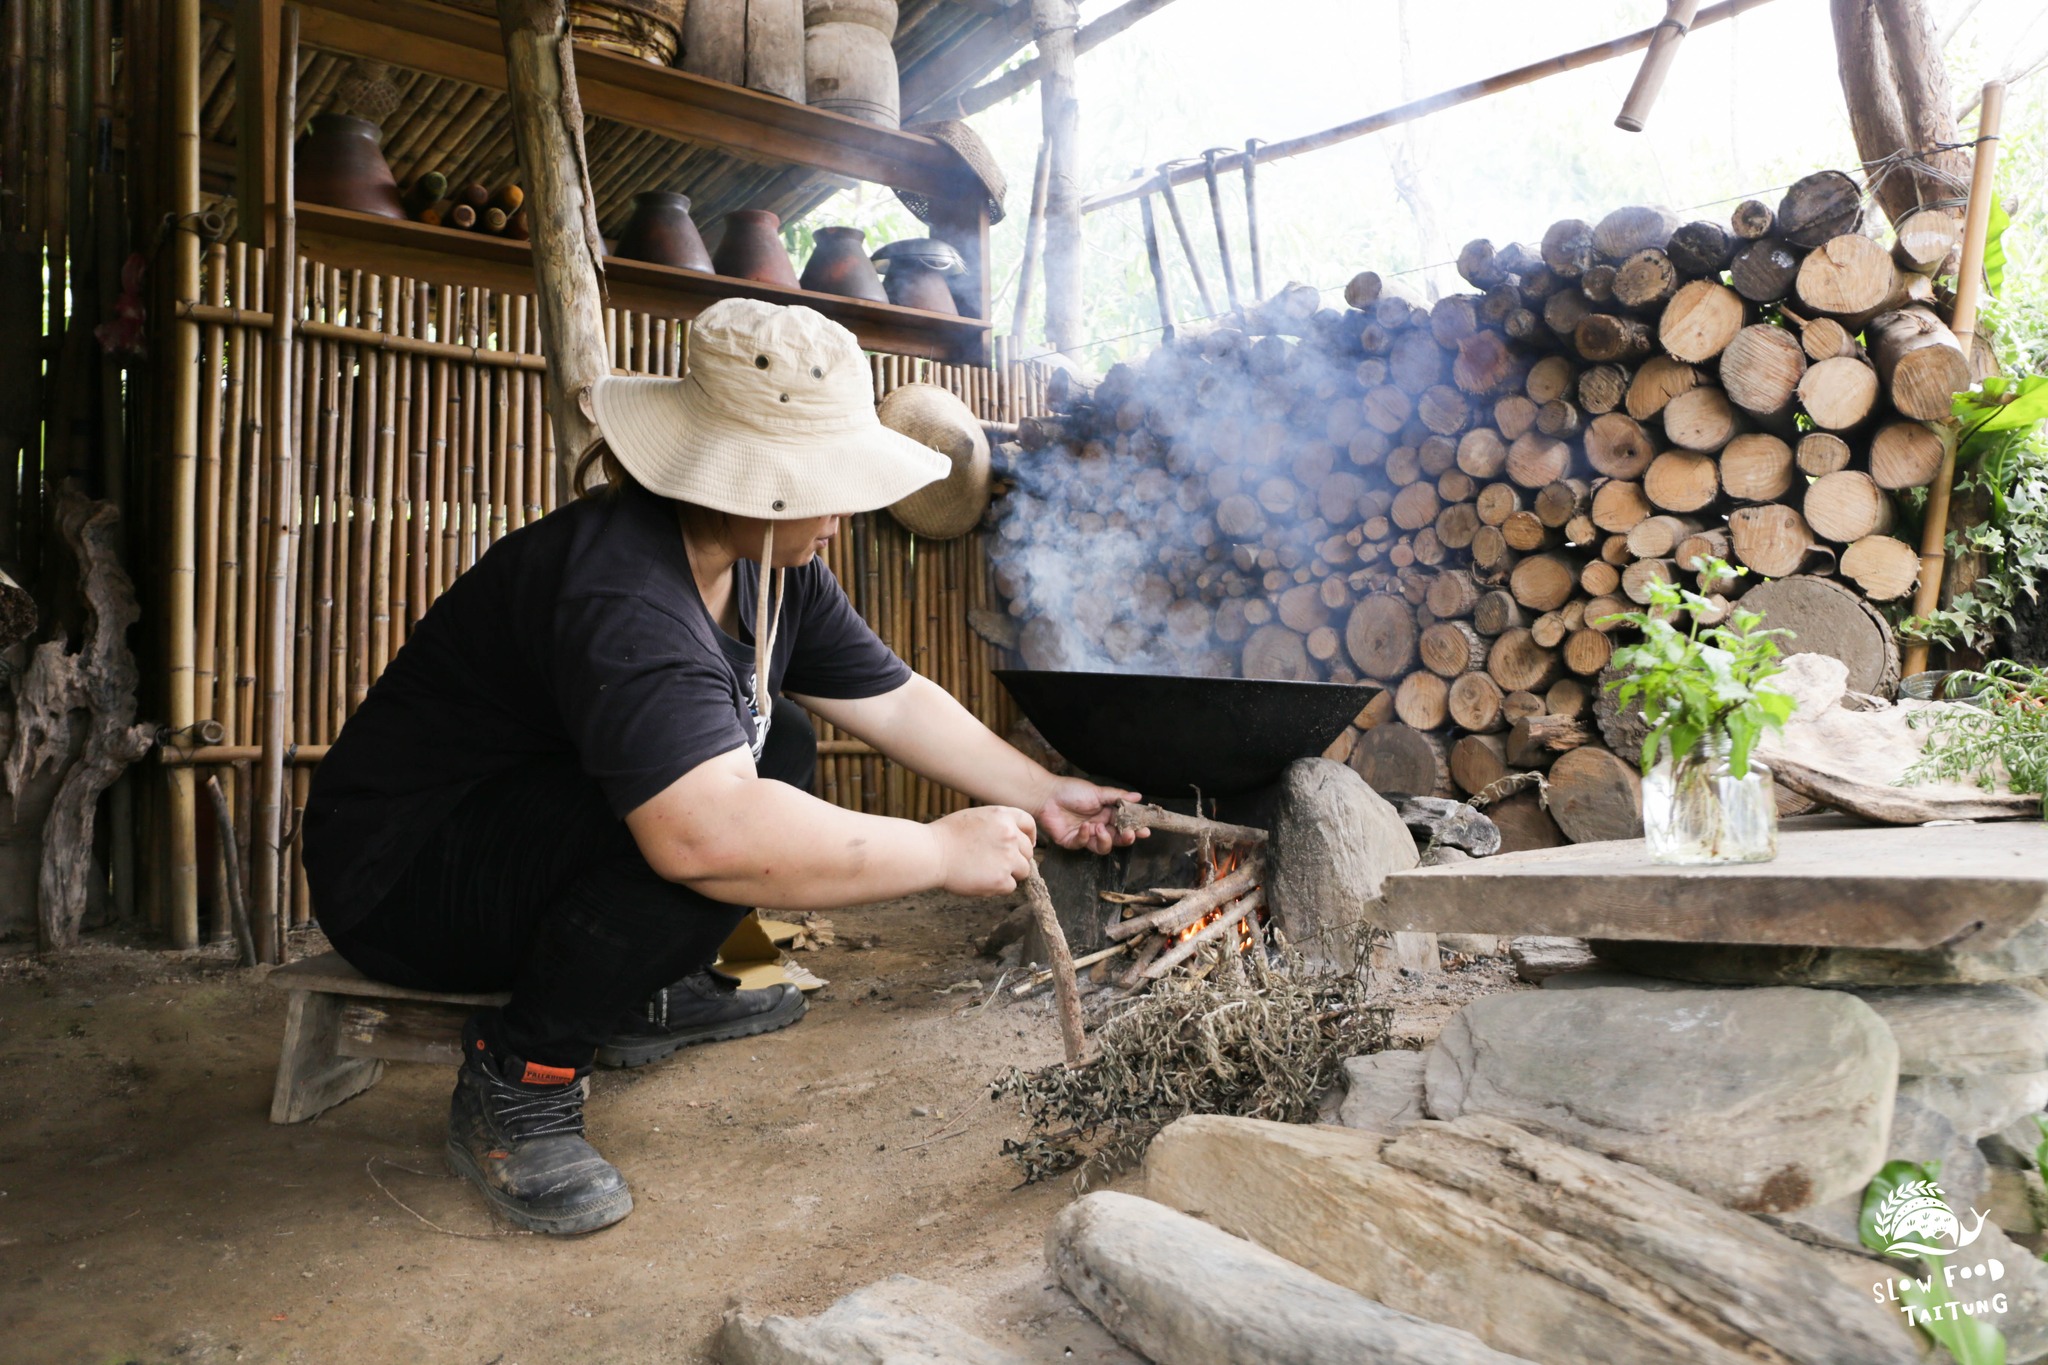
x=515, y=1131
x=704, y=1007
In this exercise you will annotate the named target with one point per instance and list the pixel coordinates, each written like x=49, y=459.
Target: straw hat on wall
x=934, y=417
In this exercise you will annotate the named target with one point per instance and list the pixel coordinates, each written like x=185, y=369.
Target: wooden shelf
x=461, y=45
x=365, y=241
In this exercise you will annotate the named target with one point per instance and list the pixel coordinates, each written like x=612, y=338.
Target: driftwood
x=1451, y=823
x=17, y=612
x=62, y=693
x=1893, y=805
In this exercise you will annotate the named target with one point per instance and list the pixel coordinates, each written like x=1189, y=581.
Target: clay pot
x=839, y=264
x=339, y=163
x=752, y=249
x=918, y=272
x=662, y=231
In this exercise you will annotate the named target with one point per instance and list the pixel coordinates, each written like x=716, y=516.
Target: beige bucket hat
x=936, y=417
x=775, y=418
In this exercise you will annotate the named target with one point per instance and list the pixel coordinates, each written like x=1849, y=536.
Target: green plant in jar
x=1707, y=697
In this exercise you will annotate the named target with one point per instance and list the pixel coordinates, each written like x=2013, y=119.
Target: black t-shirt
x=581, y=638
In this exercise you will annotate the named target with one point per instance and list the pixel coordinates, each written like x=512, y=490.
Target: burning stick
x=1131, y=816
x=1065, y=988
x=1225, y=922
x=1190, y=908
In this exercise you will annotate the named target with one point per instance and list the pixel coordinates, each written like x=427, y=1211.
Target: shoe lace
x=525, y=1112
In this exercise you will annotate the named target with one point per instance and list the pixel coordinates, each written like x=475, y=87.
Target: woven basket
x=651, y=30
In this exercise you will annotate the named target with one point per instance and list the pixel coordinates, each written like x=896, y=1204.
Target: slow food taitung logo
x=1913, y=1216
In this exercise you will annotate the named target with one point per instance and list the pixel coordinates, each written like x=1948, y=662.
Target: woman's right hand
x=985, y=850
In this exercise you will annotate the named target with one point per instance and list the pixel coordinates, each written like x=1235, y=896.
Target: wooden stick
x=1065, y=988
x=1034, y=241
x=268, y=828
x=1969, y=287
x=1415, y=109
x=1132, y=815
x=183, y=367
x=1038, y=979
x=1178, y=916
x=1134, y=975
x=1188, y=947
x=1678, y=18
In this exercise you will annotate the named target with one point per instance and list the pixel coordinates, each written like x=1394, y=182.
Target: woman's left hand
x=1079, y=814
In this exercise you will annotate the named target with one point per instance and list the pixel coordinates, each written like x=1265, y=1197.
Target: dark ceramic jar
x=752, y=249
x=662, y=231
x=918, y=272
x=340, y=164
x=839, y=264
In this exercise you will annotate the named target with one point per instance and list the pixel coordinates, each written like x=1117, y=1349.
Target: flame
x=1219, y=863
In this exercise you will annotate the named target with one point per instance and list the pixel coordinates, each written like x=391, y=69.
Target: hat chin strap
x=765, y=624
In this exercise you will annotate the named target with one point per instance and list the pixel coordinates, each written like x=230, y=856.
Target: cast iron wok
x=1168, y=736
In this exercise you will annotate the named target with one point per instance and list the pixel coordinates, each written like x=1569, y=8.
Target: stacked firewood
x=1454, y=500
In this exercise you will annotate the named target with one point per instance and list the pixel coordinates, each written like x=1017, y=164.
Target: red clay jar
x=662, y=231
x=839, y=264
x=752, y=249
x=339, y=163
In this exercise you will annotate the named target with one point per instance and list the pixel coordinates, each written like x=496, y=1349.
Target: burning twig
x=1130, y=816
x=1190, y=909
x=1065, y=989
x=1211, y=932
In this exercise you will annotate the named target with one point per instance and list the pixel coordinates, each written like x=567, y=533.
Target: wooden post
x=1969, y=288
x=1161, y=289
x=182, y=474
x=268, y=824
x=1053, y=23
x=568, y=253
x=256, y=77
x=1034, y=241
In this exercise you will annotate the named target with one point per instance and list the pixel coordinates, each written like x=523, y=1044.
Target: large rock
x=1964, y=1030
x=2023, y=956
x=892, y=1322
x=1382, y=1091
x=2017, y=1144
x=1176, y=1289
x=1539, y=1249
x=1335, y=842
x=1919, y=1135
x=1766, y=1100
x=1979, y=1106
x=1538, y=957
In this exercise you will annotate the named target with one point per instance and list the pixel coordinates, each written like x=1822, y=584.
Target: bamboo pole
x=268, y=826
x=212, y=415
x=1663, y=50
x=368, y=339
x=1415, y=109
x=1963, y=322
x=183, y=807
x=1034, y=241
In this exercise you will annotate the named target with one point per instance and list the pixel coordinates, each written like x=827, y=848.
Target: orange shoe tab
x=536, y=1074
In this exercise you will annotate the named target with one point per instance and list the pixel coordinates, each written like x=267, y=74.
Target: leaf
x=1994, y=245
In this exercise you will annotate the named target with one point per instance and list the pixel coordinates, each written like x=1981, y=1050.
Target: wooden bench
x=341, y=1027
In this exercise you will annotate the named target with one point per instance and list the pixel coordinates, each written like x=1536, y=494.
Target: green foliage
x=2003, y=730
x=1994, y=246
x=1970, y=1341
x=1703, y=681
x=2002, y=459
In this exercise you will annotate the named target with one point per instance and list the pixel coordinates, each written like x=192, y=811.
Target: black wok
x=1166, y=737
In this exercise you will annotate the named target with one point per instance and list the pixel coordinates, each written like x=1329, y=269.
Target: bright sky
x=1750, y=104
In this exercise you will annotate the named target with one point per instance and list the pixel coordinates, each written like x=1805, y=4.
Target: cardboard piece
x=750, y=953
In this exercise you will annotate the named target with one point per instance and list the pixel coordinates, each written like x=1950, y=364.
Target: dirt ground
x=149, y=1212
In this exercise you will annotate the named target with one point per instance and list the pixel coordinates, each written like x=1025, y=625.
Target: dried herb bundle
x=1264, y=1048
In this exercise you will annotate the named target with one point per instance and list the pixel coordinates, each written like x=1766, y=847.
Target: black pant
x=532, y=885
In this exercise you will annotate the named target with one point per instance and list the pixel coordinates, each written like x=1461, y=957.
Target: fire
x=1220, y=863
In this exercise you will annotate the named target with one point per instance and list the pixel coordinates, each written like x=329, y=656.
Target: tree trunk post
x=1053, y=23
x=568, y=253
x=1898, y=96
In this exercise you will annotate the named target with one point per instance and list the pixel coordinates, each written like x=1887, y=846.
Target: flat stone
x=1765, y=1100
x=1473, y=945
x=1979, y=1106
x=1538, y=1248
x=1597, y=977
x=1964, y=1030
x=1382, y=1091
x=888, y=1323
x=2017, y=1201
x=2025, y=1283
x=1335, y=842
x=1538, y=958
x=1176, y=1289
x=2023, y=956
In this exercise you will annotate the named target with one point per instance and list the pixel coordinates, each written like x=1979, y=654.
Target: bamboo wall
x=422, y=440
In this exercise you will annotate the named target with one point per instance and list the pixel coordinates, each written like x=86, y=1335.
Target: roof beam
x=1022, y=78
x=1415, y=109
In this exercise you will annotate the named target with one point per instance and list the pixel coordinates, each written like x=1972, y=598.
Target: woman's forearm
x=921, y=726
x=748, y=840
